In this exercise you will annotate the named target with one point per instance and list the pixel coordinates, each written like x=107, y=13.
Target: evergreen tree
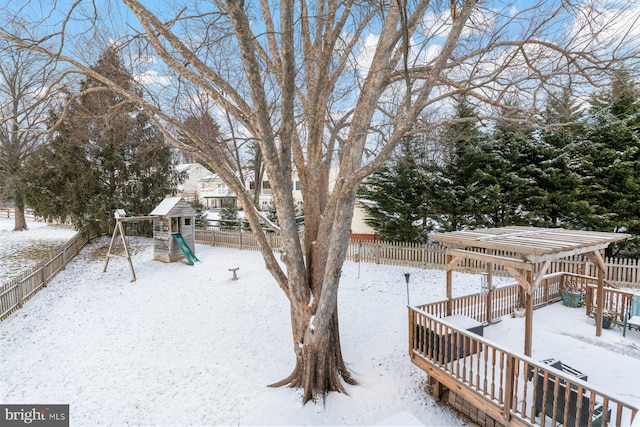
x=462, y=182
x=558, y=202
x=106, y=155
x=398, y=196
x=514, y=168
x=611, y=159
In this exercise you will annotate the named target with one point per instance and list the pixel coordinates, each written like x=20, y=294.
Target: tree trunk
x=20, y=221
x=319, y=367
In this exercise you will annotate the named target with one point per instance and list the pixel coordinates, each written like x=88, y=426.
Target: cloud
x=601, y=27
x=366, y=52
x=438, y=24
x=152, y=77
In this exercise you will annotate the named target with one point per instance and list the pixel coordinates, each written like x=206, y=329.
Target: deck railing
x=509, y=387
x=14, y=293
x=484, y=307
x=489, y=376
x=616, y=302
x=503, y=301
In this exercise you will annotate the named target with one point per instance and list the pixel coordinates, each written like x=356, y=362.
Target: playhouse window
x=187, y=221
x=175, y=225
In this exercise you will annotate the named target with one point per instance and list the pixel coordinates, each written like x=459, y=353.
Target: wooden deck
x=497, y=386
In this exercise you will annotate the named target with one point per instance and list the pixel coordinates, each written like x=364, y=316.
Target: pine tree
x=611, y=159
x=395, y=198
x=462, y=186
x=558, y=202
x=514, y=168
x=106, y=155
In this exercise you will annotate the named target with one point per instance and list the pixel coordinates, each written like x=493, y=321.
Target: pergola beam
x=495, y=259
x=541, y=273
x=566, y=254
x=522, y=281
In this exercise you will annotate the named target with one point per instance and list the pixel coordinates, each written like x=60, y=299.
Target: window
x=296, y=185
x=266, y=184
x=175, y=225
x=187, y=221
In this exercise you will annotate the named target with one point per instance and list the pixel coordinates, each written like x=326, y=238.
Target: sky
x=187, y=345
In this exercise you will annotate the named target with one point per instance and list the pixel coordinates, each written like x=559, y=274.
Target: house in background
x=189, y=189
x=215, y=195
x=360, y=230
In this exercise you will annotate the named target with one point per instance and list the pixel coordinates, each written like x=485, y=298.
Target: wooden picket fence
x=10, y=213
x=620, y=272
x=17, y=291
x=234, y=239
x=623, y=272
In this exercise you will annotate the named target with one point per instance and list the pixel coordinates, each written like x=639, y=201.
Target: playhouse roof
x=173, y=206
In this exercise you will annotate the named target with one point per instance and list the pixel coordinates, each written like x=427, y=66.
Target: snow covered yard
x=23, y=249
x=189, y=346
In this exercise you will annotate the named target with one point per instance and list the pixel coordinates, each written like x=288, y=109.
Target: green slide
x=186, y=250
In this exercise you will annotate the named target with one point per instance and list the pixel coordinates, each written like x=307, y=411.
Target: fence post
x=20, y=294
x=509, y=389
x=412, y=331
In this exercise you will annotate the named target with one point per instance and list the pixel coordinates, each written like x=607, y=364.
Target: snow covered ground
x=23, y=249
x=186, y=345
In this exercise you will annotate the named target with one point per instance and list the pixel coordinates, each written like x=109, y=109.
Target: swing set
x=121, y=217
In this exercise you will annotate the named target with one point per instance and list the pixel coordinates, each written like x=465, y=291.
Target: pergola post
x=600, y=295
x=597, y=258
x=489, y=296
x=528, y=321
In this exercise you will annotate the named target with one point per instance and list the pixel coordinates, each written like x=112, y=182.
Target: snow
x=186, y=345
x=18, y=249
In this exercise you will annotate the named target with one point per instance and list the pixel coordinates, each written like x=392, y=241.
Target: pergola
x=531, y=250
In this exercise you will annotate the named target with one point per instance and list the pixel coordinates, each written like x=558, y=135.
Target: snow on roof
x=165, y=206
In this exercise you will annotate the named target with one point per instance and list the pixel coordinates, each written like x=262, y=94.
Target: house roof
x=531, y=244
x=169, y=204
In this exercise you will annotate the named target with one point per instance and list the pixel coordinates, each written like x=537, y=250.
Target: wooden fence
x=620, y=271
x=18, y=290
x=234, y=239
x=29, y=216
x=10, y=213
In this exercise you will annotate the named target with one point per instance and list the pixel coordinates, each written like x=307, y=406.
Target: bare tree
x=27, y=90
x=329, y=88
